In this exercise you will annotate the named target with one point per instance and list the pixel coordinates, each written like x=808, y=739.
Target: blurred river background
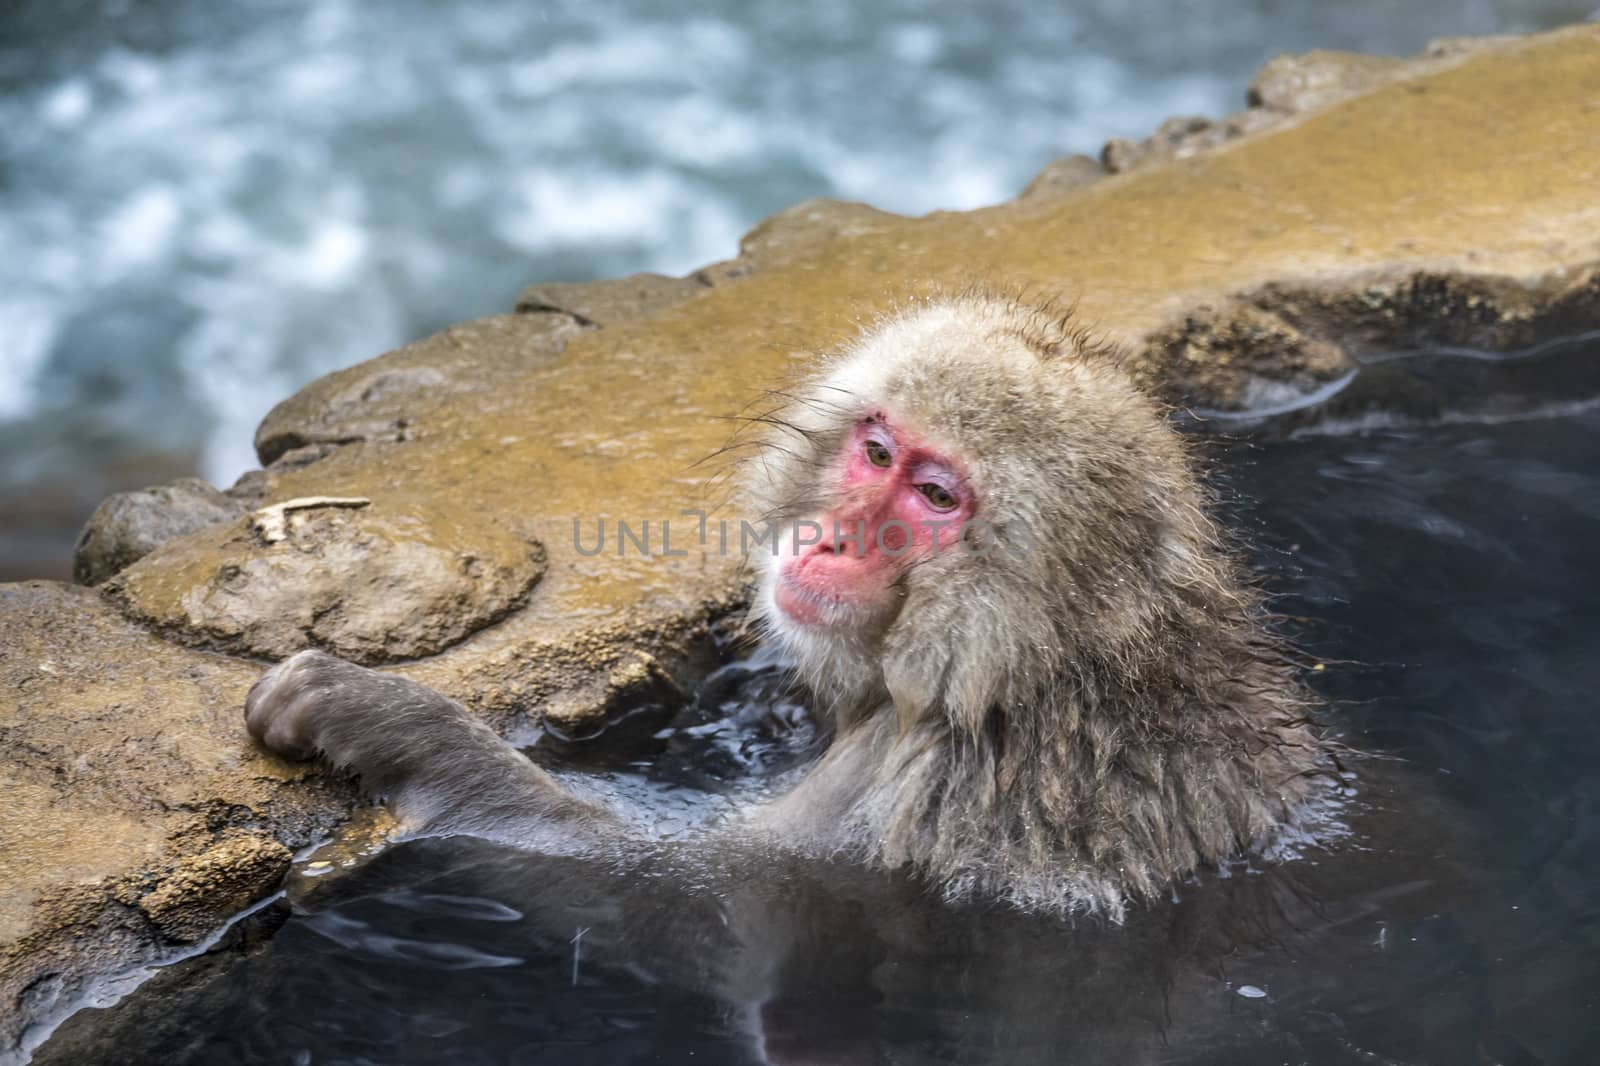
x=203, y=204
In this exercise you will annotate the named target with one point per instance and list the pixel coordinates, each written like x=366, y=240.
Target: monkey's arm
x=437, y=767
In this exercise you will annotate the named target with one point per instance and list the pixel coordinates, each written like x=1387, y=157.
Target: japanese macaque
x=1046, y=678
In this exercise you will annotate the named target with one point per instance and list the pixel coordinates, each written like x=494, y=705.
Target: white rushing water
x=203, y=206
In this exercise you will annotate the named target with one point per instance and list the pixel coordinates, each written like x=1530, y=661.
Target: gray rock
x=608, y=303
x=1295, y=84
x=389, y=398
x=1066, y=175
x=1452, y=47
x=1182, y=137
x=790, y=233
x=1239, y=357
x=130, y=525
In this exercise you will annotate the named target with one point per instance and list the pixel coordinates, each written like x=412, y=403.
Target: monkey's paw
x=282, y=708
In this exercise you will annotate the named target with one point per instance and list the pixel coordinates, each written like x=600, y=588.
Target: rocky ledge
x=437, y=509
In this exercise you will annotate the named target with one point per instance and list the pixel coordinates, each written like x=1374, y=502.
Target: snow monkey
x=1047, y=681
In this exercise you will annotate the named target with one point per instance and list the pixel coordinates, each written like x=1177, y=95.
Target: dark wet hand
x=283, y=706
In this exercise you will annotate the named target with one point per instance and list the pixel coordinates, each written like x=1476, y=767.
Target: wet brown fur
x=1094, y=708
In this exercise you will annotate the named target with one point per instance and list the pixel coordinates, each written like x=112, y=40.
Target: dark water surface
x=1445, y=577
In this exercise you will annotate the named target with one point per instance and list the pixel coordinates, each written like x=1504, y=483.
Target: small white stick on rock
x=272, y=522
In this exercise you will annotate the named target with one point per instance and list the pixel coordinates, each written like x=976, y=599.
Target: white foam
x=656, y=209
x=331, y=257
x=917, y=43
x=130, y=73
x=699, y=131
x=314, y=78
x=29, y=327
x=68, y=103
x=626, y=55
x=140, y=232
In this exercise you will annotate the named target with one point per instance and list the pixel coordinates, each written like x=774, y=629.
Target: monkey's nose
x=843, y=536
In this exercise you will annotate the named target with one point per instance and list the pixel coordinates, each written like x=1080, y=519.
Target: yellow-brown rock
x=371, y=579
x=137, y=815
x=382, y=399
x=1453, y=199
x=206, y=890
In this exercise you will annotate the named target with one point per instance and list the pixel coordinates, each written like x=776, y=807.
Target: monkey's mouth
x=802, y=605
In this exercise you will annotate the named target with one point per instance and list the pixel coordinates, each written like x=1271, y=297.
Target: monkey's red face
x=902, y=503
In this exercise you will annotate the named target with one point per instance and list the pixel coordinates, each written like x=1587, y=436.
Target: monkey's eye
x=877, y=454
x=939, y=497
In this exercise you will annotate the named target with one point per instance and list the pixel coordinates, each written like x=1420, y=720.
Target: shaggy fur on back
x=1086, y=704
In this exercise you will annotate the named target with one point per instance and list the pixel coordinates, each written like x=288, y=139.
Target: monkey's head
x=976, y=506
